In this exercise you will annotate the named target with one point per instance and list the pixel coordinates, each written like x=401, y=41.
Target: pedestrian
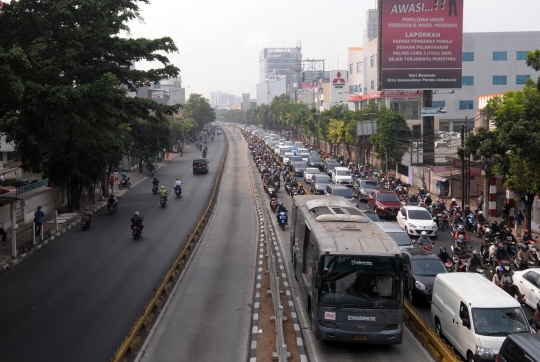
x=111, y=182
x=518, y=222
x=505, y=212
x=480, y=201
x=3, y=179
x=38, y=220
x=116, y=177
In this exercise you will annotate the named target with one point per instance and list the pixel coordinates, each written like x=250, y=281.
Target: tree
x=64, y=80
x=392, y=137
x=199, y=109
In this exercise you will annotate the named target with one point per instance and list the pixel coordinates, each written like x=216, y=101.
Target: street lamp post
x=486, y=172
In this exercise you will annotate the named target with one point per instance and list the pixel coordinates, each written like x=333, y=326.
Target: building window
x=359, y=67
x=466, y=105
x=468, y=57
x=499, y=80
x=372, y=62
x=360, y=87
x=467, y=80
x=350, y=69
x=372, y=84
x=520, y=79
x=521, y=55
x=499, y=56
x=439, y=104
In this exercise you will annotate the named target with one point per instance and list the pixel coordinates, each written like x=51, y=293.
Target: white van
x=474, y=314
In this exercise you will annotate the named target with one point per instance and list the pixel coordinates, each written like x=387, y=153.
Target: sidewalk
x=66, y=221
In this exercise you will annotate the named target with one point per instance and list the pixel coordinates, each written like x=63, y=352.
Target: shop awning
x=445, y=175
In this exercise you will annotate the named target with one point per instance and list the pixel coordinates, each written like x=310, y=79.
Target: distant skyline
x=219, y=42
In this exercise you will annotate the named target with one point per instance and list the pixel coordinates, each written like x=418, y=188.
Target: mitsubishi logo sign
x=338, y=81
x=338, y=78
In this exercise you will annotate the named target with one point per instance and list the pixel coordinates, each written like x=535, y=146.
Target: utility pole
x=462, y=167
x=428, y=133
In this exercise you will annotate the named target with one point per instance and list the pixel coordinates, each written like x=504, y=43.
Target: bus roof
x=340, y=228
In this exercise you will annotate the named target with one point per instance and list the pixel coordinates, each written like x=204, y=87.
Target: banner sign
x=422, y=44
x=428, y=111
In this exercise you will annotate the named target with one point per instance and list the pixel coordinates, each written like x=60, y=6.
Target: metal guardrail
x=436, y=346
x=145, y=319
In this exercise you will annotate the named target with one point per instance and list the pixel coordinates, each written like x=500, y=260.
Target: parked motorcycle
x=282, y=219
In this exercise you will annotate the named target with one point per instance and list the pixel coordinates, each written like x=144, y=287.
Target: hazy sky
x=219, y=41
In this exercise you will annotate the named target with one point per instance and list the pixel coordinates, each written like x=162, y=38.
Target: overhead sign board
x=33, y=186
x=422, y=44
x=429, y=111
x=366, y=128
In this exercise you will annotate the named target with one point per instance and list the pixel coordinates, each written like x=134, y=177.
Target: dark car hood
x=320, y=186
x=428, y=281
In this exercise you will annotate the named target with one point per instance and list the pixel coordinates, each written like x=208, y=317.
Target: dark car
x=520, y=347
x=200, y=166
x=420, y=269
x=329, y=166
x=362, y=188
x=315, y=161
x=384, y=203
x=319, y=183
x=299, y=168
x=372, y=215
x=340, y=190
x=294, y=159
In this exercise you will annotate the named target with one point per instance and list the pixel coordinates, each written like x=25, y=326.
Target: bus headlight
x=328, y=324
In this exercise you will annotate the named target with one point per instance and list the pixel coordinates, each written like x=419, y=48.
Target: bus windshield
x=355, y=281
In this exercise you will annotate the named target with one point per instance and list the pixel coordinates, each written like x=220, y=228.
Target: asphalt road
x=318, y=351
x=77, y=298
x=208, y=317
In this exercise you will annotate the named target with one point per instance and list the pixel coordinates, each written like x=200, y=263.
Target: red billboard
x=421, y=44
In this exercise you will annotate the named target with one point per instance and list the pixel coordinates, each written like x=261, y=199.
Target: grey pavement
x=208, y=317
x=77, y=298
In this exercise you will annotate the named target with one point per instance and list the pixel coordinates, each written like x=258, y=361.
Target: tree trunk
x=528, y=210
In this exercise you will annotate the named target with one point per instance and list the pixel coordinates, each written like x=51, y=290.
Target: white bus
x=350, y=272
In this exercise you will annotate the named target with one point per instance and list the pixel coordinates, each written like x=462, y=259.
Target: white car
x=304, y=155
x=309, y=172
x=286, y=157
x=415, y=219
x=341, y=176
x=528, y=282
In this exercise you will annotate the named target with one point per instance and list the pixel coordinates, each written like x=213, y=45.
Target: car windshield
x=401, y=238
x=372, y=216
x=361, y=281
x=343, y=192
x=419, y=215
x=427, y=267
x=323, y=179
x=300, y=165
x=370, y=184
x=499, y=321
x=343, y=172
x=313, y=171
x=331, y=166
x=388, y=197
x=331, y=160
x=296, y=158
x=315, y=159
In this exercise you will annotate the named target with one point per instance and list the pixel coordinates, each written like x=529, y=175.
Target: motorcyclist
x=524, y=256
x=508, y=238
x=495, y=227
x=428, y=201
x=443, y=255
x=178, y=183
x=125, y=180
x=480, y=220
x=112, y=201
x=281, y=208
x=456, y=213
x=424, y=240
x=475, y=263
x=87, y=213
x=467, y=210
x=301, y=190
x=163, y=193
x=413, y=199
x=498, y=276
x=453, y=204
x=500, y=253
x=136, y=220
x=273, y=195
x=461, y=231
x=155, y=182
x=460, y=249
x=527, y=237
x=460, y=267
x=512, y=289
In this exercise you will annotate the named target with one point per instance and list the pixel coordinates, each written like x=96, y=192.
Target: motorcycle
x=273, y=204
x=270, y=189
x=426, y=247
x=125, y=183
x=136, y=232
x=293, y=189
x=204, y=154
x=112, y=208
x=470, y=223
x=85, y=222
x=162, y=201
x=178, y=191
x=154, y=189
x=282, y=219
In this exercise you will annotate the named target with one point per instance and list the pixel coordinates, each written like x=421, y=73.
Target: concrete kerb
x=14, y=261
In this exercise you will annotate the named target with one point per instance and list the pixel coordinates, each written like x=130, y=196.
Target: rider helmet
x=500, y=269
x=461, y=228
x=526, y=231
x=423, y=233
x=280, y=203
x=458, y=207
x=508, y=280
x=467, y=206
x=178, y=178
x=507, y=230
x=136, y=213
x=459, y=242
x=476, y=254
x=162, y=187
x=494, y=223
x=453, y=199
x=442, y=249
x=480, y=212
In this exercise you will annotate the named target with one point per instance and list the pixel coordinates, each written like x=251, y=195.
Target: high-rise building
x=246, y=104
x=280, y=63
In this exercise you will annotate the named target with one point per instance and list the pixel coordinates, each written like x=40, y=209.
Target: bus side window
x=307, y=234
x=293, y=226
